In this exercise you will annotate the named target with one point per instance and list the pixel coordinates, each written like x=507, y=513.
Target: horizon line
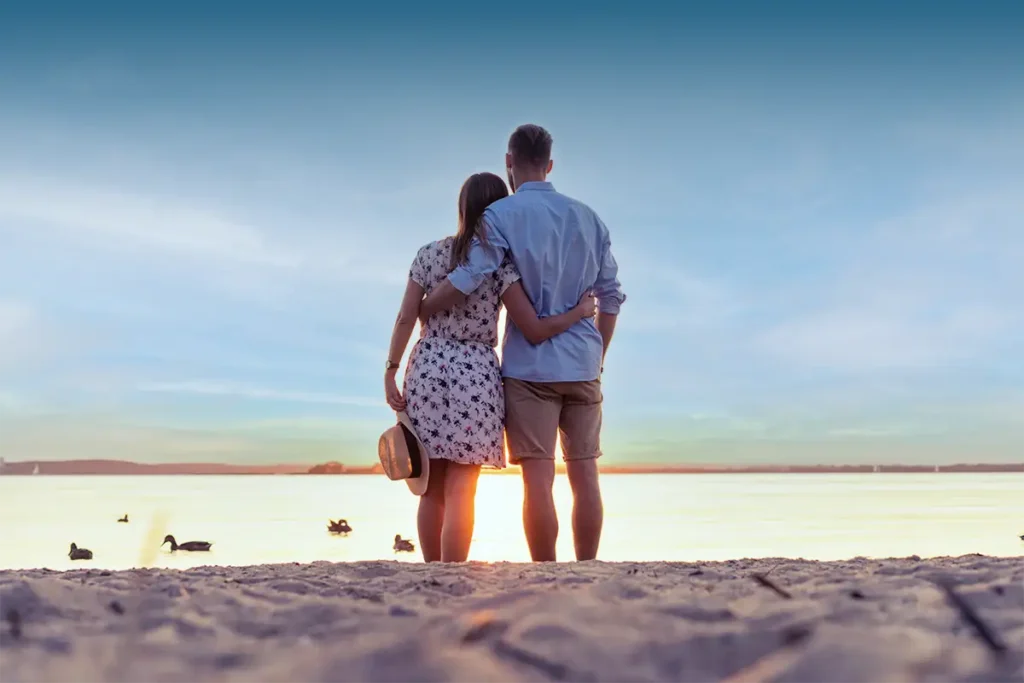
x=339, y=468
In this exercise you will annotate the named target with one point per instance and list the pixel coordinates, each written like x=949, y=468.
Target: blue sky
x=207, y=217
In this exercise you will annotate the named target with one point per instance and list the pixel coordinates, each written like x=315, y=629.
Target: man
x=562, y=250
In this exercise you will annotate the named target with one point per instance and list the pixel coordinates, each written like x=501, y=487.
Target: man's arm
x=608, y=291
x=606, y=326
x=485, y=257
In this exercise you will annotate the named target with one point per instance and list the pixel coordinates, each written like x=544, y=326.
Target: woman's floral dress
x=453, y=388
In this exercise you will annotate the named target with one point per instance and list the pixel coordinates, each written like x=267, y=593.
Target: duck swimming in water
x=339, y=527
x=79, y=553
x=403, y=545
x=124, y=520
x=191, y=546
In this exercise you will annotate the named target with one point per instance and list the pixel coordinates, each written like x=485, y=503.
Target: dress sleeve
x=484, y=257
x=418, y=269
x=506, y=275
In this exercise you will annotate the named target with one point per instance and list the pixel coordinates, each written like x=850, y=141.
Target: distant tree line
x=335, y=467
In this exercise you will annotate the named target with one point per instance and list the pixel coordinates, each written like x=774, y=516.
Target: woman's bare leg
x=459, y=511
x=431, y=512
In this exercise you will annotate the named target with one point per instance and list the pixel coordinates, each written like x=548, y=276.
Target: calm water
x=257, y=519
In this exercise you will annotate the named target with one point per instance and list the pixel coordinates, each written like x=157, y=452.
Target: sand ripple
x=859, y=620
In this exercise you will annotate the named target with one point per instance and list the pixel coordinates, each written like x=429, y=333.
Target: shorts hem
x=530, y=455
x=593, y=455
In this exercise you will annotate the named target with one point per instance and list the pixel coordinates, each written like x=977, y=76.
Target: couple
x=547, y=258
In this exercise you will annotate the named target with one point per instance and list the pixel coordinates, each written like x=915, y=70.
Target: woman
x=452, y=391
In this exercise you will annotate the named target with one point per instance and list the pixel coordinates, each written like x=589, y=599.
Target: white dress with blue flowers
x=453, y=388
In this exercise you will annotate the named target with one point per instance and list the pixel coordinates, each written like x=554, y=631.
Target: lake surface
x=260, y=519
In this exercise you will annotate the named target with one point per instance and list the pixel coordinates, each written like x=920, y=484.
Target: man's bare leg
x=587, y=507
x=540, y=521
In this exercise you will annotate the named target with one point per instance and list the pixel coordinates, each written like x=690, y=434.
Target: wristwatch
x=390, y=364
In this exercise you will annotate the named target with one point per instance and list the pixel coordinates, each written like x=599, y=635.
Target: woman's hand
x=391, y=393
x=587, y=307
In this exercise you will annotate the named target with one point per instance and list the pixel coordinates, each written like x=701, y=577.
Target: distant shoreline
x=126, y=468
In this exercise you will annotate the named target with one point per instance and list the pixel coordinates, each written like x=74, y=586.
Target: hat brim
x=417, y=485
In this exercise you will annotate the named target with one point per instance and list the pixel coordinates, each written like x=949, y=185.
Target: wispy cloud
x=22, y=336
x=11, y=403
x=994, y=215
x=64, y=437
x=132, y=220
x=665, y=296
x=869, y=339
x=214, y=388
x=15, y=319
x=877, y=432
x=237, y=255
x=930, y=286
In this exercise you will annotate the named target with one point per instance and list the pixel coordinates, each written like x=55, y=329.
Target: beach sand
x=858, y=620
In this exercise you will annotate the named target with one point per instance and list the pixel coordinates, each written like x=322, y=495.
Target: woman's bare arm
x=537, y=329
x=404, y=325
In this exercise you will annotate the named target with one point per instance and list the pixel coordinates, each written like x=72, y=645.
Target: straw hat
x=403, y=455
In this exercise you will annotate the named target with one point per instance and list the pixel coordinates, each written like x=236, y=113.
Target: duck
x=403, y=545
x=123, y=520
x=79, y=553
x=191, y=546
x=339, y=527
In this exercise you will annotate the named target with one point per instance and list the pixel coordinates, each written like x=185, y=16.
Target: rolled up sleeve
x=485, y=257
x=608, y=289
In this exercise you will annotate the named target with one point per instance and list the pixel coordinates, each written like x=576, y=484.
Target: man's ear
x=551, y=165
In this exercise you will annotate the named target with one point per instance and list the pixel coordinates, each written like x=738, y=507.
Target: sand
x=859, y=620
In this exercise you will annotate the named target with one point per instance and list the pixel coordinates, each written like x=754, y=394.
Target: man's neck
x=529, y=177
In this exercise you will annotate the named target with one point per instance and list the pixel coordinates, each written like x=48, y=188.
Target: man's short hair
x=530, y=146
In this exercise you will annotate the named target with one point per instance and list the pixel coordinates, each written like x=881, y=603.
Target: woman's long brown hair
x=478, y=192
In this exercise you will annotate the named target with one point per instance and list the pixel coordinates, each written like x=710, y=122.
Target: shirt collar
x=536, y=185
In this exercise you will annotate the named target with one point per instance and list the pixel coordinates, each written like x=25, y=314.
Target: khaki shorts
x=537, y=412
